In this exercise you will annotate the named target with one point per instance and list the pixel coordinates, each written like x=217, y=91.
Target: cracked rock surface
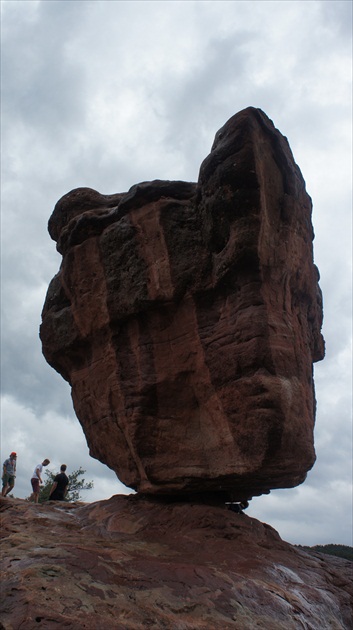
x=131, y=563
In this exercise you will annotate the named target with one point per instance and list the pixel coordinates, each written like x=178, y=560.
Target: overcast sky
x=107, y=94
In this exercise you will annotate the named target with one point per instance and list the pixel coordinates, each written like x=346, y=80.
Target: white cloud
x=308, y=515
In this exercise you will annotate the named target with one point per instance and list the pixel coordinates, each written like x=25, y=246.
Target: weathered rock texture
x=131, y=564
x=186, y=318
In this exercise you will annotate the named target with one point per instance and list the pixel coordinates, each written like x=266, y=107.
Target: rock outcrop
x=130, y=564
x=187, y=317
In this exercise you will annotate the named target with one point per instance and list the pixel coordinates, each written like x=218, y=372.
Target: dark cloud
x=338, y=15
x=43, y=84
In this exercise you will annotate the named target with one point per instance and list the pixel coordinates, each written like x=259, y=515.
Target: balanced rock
x=187, y=318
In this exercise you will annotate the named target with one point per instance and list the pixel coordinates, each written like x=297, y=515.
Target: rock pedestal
x=132, y=563
x=187, y=317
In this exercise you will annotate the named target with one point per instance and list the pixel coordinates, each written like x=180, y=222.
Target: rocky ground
x=129, y=563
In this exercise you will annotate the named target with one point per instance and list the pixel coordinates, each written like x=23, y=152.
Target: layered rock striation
x=187, y=317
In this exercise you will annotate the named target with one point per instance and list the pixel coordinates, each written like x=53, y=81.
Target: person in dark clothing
x=238, y=507
x=9, y=474
x=59, y=488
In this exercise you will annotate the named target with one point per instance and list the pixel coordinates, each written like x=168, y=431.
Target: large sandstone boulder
x=187, y=317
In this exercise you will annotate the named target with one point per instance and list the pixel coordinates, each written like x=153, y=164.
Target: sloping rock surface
x=187, y=317
x=129, y=564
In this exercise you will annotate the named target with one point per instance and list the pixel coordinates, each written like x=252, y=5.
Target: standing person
x=59, y=488
x=9, y=474
x=36, y=480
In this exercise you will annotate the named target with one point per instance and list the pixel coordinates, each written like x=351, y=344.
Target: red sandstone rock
x=131, y=564
x=187, y=317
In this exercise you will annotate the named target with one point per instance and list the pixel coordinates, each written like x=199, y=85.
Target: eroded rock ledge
x=131, y=564
x=187, y=317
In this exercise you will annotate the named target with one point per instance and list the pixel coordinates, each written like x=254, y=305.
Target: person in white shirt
x=37, y=481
